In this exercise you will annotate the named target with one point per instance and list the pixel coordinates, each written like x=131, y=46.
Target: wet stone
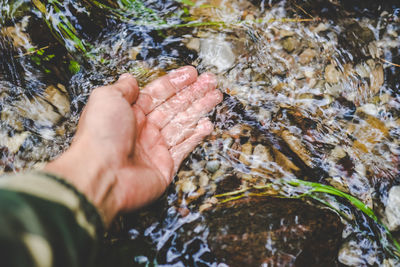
x=392, y=210
x=307, y=56
x=213, y=166
x=332, y=75
x=290, y=44
x=275, y=232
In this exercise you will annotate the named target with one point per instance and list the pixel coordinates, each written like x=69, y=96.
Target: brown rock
x=307, y=56
x=277, y=232
x=332, y=75
x=290, y=44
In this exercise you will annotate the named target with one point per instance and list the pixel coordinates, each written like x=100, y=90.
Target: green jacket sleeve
x=46, y=222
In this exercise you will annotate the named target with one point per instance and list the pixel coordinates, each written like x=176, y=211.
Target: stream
x=302, y=168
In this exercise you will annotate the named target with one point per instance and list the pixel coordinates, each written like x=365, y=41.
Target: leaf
x=74, y=67
x=186, y=2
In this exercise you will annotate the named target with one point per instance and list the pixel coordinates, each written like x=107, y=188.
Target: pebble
x=350, y=254
x=362, y=70
x=290, y=44
x=321, y=27
x=369, y=109
x=285, y=33
x=307, y=56
x=338, y=152
x=246, y=152
x=213, y=166
x=14, y=142
x=188, y=186
x=217, y=52
x=392, y=210
x=205, y=206
x=58, y=96
x=261, y=156
x=203, y=179
x=332, y=75
x=194, y=44
x=377, y=79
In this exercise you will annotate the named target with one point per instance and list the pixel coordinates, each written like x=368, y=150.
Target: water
x=311, y=93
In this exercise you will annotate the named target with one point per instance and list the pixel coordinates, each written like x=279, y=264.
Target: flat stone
x=307, y=56
x=273, y=232
x=332, y=75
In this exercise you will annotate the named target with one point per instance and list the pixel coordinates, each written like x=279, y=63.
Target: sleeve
x=45, y=222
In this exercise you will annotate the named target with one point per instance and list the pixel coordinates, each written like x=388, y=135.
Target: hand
x=129, y=144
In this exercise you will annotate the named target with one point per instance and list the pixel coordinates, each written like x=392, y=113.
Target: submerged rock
x=332, y=75
x=392, y=210
x=217, y=52
x=290, y=44
x=275, y=232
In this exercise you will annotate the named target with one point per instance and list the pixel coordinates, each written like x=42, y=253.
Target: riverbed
x=302, y=168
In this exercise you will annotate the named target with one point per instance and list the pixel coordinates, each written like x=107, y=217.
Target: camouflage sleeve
x=46, y=222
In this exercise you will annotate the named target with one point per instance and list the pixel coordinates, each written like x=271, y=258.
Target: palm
x=168, y=126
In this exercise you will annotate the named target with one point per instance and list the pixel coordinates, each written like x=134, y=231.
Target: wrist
x=90, y=176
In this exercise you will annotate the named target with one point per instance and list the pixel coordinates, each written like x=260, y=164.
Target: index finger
x=158, y=91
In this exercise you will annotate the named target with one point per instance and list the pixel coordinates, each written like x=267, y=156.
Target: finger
x=128, y=87
x=180, y=152
x=184, y=123
x=182, y=100
x=158, y=91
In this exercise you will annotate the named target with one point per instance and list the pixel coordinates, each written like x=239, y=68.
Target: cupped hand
x=130, y=143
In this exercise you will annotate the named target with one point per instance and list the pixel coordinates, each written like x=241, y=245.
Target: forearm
x=92, y=177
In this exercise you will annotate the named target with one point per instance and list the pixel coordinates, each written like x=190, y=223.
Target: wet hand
x=129, y=144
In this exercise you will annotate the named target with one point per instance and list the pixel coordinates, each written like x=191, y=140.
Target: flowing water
x=303, y=165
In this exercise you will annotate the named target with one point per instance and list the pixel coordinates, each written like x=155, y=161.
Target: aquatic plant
x=59, y=25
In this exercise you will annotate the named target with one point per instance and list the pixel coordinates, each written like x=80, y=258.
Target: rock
x=194, y=44
x=213, y=166
x=14, y=142
x=273, y=232
x=369, y=109
x=283, y=161
x=203, y=179
x=392, y=210
x=290, y=44
x=376, y=78
x=134, y=52
x=356, y=39
x=332, y=75
x=18, y=35
x=217, y=52
x=246, y=152
x=350, y=254
x=58, y=96
x=297, y=147
x=307, y=56
x=356, y=33
x=338, y=152
x=362, y=70
x=188, y=186
x=321, y=27
x=261, y=156
x=285, y=33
